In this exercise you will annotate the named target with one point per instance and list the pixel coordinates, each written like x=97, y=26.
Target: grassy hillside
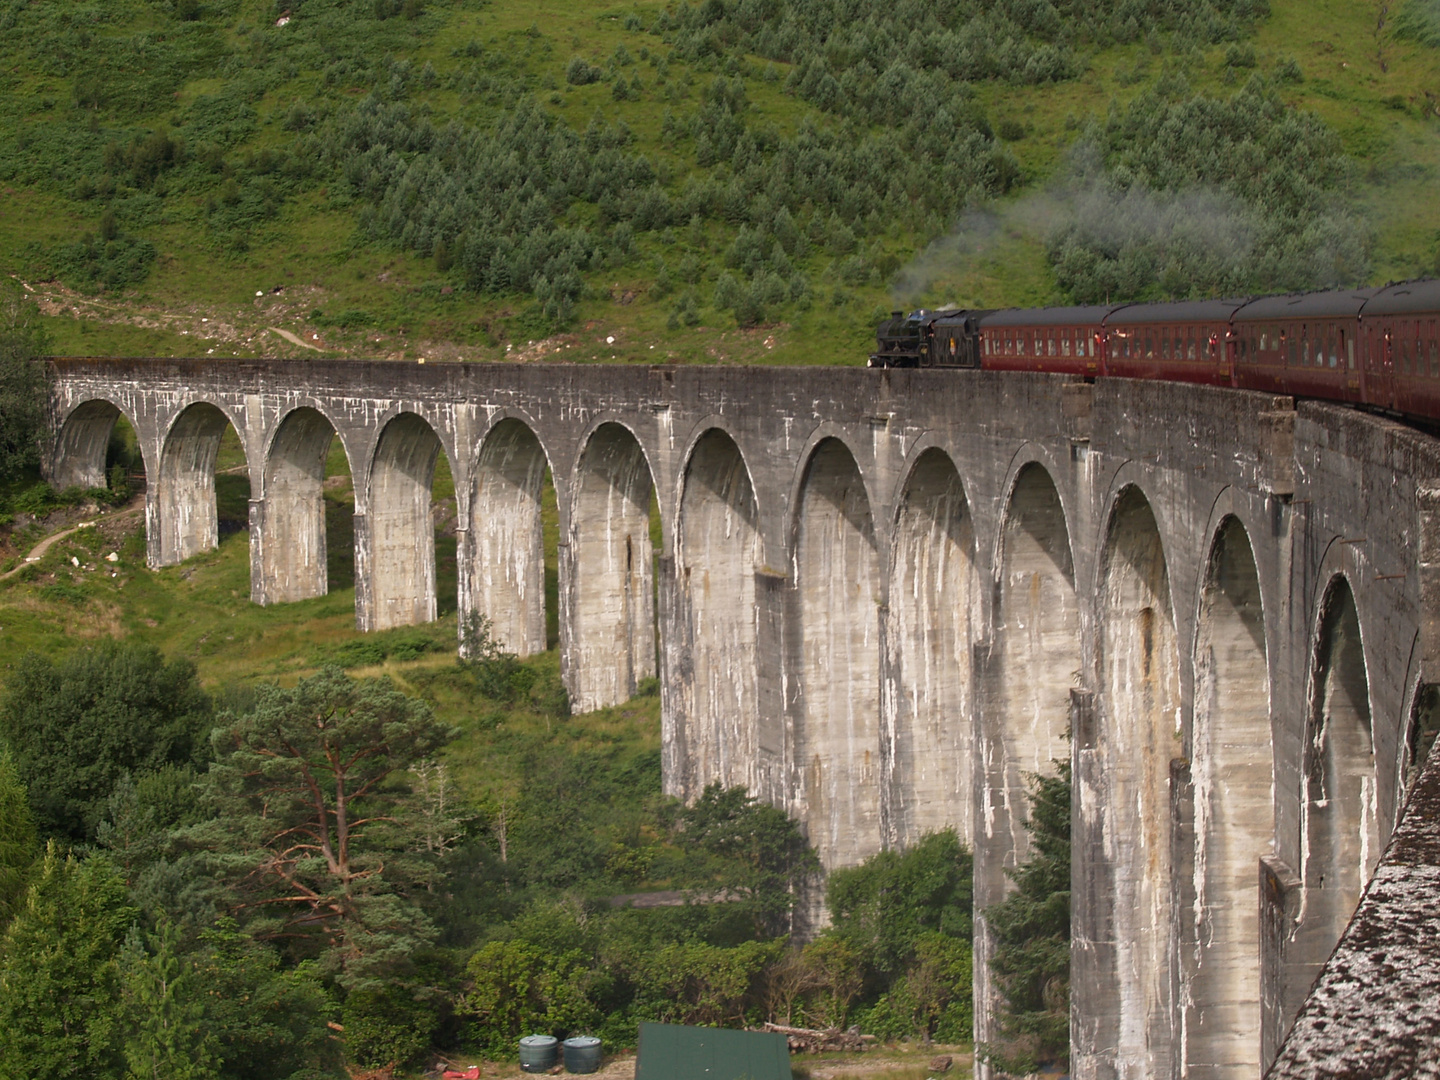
x=739, y=183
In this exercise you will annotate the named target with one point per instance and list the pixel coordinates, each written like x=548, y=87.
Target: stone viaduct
x=883, y=598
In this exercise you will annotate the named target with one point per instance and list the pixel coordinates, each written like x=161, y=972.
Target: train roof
x=960, y=315
x=1176, y=311
x=1309, y=305
x=1089, y=315
x=1405, y=298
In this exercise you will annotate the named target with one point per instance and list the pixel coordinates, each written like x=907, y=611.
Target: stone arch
x=182, y=519
x=401, y=530
x=1234, y=781
x=80, y=448
x=1340, y=834
x=1032, y=665
x=869, y=488
x=837, y=738
x=713, y=692
x=507, y=584
x=930, y=620
x=1037, y=643
x=611, y=588
x=292, y=544
x=1138, y=738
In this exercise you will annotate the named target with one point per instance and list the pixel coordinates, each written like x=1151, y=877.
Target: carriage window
x=1347, y=348
x=1255, y=347
x=1064, y=342
x=1164, y=345
x=1334, y=353
x=1434, y=351
x=1293, y=349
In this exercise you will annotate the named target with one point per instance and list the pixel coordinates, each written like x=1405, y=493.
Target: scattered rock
x=941, y=1064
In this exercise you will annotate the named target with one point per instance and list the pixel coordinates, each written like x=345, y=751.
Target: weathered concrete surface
x=1233, y=810
x=1375, y=1012
x=884, y=597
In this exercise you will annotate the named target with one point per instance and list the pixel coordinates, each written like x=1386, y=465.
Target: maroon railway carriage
x=1400, y=343
x=1182, y=342
x=1062, y=339
x=1306, y=344
x=1375, y=347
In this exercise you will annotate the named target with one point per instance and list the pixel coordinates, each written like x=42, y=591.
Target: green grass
x=200, y=610
x=200, y=298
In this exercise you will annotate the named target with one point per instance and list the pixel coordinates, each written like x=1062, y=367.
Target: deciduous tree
x=77, y=725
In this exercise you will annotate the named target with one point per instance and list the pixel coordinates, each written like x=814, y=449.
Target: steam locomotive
x=1378, y=347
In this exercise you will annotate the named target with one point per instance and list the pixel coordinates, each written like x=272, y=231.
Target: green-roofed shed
x=673, y=1052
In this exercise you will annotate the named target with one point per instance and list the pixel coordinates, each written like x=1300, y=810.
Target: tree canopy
x=318, y=830
x=77, y=726
x=22, y=380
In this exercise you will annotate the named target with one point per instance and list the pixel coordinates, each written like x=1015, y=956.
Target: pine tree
x=167, y=1037
x=1031, y=929
x=59, y=976
x=317, y=831
x=17, y=840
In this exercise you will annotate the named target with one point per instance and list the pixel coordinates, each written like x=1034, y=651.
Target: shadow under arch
x=711, y=674
x=79, y=457
x=293, y=545
x=1340, y=833
x=837, y=736
x=1234, y=776
x=507, y=580
x=610, y=589
x=182, y=518
x=1138, y=737
x=933, y=607
x=401, y=574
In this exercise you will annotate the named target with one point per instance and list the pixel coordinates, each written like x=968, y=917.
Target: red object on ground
x=472, y=1073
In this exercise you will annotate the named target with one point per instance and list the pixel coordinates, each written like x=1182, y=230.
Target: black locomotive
x=947, y=337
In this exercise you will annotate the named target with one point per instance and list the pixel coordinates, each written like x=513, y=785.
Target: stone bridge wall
x=886, y=597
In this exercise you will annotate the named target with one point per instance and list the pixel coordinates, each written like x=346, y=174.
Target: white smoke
x=1106, y=237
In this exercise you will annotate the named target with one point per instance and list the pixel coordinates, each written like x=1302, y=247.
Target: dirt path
x=38, y=551
x=294, y=340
